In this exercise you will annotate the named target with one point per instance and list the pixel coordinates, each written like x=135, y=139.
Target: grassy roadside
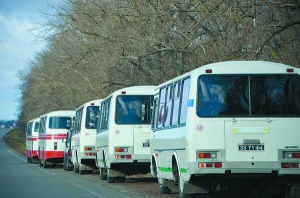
x=16, y=140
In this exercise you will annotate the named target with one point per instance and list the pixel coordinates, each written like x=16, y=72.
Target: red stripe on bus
x=52, y=136
x=32, y=138
x=51, y=154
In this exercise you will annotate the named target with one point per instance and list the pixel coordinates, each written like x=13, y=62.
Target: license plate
x=251, y=147
x=146, y=144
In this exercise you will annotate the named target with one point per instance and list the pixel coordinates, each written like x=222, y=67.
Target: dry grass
x=16, y=140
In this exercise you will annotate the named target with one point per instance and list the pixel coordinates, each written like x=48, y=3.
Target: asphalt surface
x=20, y=179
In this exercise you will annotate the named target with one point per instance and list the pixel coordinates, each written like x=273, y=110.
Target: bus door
x=141, y=139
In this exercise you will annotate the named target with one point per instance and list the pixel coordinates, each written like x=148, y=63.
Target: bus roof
x=236, y=67
x=60, y=113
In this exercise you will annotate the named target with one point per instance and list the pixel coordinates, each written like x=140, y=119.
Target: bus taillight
x=218, y=165
x=121, y=149
x=292, y=155
x=207, y=155
x=89, y=148
x=123, y=156
x=210, y=165
x=290, y=165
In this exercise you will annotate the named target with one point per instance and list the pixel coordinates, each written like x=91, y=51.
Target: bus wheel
x=121, y=179
x=76, y=169
x=111, y=179
x=164, y=189
x=102, y=175
x=81, y=172
x=45, y=164
x=69, y=165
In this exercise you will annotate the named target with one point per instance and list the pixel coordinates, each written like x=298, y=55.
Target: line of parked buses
x=227, y=125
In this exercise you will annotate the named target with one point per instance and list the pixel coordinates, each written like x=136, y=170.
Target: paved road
x=20, y=179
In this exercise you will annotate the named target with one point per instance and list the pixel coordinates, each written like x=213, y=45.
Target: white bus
x=84, y=137
x=123, y=133
x=53, y=129
x=225, y=125
x=32, y=133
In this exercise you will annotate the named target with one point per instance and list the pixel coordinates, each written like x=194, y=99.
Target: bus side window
x=184, y=100
x=161, y=106
x=177, y=89
x=100, y=117
x=154, y=114
x=168, y=109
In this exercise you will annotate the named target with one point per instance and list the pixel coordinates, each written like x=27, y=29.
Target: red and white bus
x=32, y=132
x=53, y=129
x=84, y=137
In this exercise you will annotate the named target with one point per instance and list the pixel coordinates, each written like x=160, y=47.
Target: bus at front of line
x=83, y=138
x=32, y=133
x=123, y=133
x=52, y=132
x=228, y=125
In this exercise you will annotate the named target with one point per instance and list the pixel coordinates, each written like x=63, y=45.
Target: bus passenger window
x=168, y=109
x=161, y=106
x=184, y=100
x=174, y=120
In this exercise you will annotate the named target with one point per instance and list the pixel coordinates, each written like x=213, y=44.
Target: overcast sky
x=18, y=45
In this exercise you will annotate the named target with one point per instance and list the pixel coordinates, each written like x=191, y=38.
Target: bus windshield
x=248, y=95
x=128, y=109
x=36, y=126
x=58, y=122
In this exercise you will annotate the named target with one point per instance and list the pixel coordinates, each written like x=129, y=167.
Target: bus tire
x=102, y=175
x=76, y=169
x=121, y=179
x=44, y=164
x=81, y=172
x=111, y=179
x=163, y=189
